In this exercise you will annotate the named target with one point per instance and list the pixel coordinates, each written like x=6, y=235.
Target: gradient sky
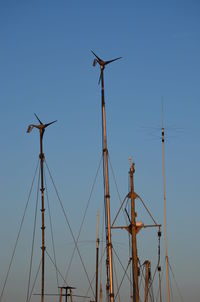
x=46, y=67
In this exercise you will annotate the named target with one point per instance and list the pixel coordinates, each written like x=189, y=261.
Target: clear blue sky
x=46, y=67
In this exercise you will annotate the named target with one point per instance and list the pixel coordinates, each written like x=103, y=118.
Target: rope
x=33, y=239
x=51, y=228
x=19, y=232
x=69, y=226
x=84, y=215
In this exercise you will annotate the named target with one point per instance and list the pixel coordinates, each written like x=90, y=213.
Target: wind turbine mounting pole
x=110, y=285
x=41, y=127
x=165, y=217
x=97, y=258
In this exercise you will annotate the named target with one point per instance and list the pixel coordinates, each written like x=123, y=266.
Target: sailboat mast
x=107, y=196
x=133, y=236
x=165, y=219
x=42, y=209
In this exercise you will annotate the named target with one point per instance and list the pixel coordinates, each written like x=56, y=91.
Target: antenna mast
x=165, y=219
x=109, y=285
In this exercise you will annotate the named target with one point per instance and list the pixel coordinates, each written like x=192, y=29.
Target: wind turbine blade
x=110, y=61
x=38, y=119
x=46, y=125
x=96, y=56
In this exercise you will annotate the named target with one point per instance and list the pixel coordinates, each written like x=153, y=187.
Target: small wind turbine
x=110, y=285
x=41, y=127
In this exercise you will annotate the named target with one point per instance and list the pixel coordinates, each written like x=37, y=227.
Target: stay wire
x=33, y=239
x=116, y=280
x=35, y=280
x=52, y=261
x=51, y=228
x=146, y=209
x=125, y=274
x=100, y=262
x=19, y=232
x=84, y=215
x=117, y=189
x=121, y=264
x=178, y=289
x=69, y=226
x=160, y=280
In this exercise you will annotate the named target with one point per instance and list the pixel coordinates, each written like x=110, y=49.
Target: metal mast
x=97, y=257
x=165, y=219
x=41, y=127
x=133, y=237
x=109, y=286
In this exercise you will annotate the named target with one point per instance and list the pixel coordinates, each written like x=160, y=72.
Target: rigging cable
x=56, y=267
x=19, y=232
x=51, y=228
x=125, y=273
x=84, y=215
x=115, y=181
x=116, y=279
x=69, y=226
x=35, y=280
x=122, y=264
x=176, y=283
x=92, y=280
x=147, y=209
x=33, y=239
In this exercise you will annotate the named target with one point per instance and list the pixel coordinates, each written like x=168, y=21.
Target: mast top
x=41, y=126
x=101, y=62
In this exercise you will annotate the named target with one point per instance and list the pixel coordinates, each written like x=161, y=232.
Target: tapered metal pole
x=165, y=218
x=110, y=287
x=42, y=210
x=97, y=257
x=133, y=237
